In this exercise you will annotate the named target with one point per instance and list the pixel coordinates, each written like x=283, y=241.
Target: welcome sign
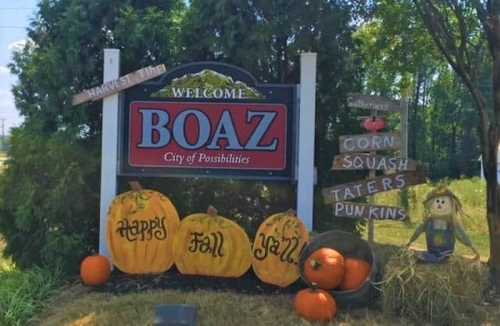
x=208, y=119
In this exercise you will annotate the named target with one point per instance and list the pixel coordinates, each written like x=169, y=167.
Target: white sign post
x=109, y=151
x=307, y=116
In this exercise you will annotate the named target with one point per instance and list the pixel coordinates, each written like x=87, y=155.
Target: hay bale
x=441, y=294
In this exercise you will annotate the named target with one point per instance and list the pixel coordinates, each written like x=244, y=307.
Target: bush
x=49, y=200
x=22, y=294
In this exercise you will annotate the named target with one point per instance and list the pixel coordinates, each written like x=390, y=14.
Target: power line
x=17, y=8
x=13, y=27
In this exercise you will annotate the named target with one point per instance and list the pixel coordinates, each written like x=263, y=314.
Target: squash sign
x=209, y=119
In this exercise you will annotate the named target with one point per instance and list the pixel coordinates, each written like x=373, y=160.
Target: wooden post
x=307, y=113
x=371, y=199
x=109, y=147
x=404, y=129
x=404, y=151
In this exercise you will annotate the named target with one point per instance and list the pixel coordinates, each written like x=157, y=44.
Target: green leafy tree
x=266, y=38
x=463, y=31
x=402, y=61
x=50, y=190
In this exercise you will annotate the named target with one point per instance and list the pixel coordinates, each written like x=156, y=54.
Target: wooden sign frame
x=119, y=84
x=352, y=190
x=369, y=142
x=378, y=103
x=361, y=161
x=367, y=211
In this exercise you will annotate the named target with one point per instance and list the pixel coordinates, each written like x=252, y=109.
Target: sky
x=15, y=16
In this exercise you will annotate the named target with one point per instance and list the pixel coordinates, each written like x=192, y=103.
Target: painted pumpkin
x=315, y=305
x=141, y=229
x=356, y=273
x=95, y=270
x=325, y=267
x=211, y=245
x=278, y=243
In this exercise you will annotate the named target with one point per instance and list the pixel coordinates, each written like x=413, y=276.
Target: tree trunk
x=493, y=189
x=414, y=128
x=493, y=208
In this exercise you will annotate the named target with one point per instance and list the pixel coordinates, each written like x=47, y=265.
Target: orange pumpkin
x=276, y=250
x=356, y=273
x=95, y=270
x=315, y=305
x=325, y=267
x=141, y=228
x=211, y=245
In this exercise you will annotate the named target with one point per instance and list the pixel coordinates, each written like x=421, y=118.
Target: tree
x=50, y=190
x=400, y=58
x=462, y=30
x=266, y=38
x=49, y=193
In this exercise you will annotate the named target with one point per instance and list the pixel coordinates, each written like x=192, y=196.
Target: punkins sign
x=208, y=119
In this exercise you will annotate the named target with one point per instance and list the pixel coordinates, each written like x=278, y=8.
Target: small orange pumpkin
x=95, y=270
x=315, y=305
x=325, y=267
x=356, y=273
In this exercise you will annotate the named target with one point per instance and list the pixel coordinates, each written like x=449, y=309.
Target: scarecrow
x=442, y=224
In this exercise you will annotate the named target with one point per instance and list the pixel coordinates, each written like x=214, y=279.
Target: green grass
x=78, y=306
x=472, y=194
x=23, y=293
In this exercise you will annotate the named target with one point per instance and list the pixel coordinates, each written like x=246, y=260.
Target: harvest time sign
x=208, y=119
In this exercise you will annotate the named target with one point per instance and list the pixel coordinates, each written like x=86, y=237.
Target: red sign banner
x=207, y=135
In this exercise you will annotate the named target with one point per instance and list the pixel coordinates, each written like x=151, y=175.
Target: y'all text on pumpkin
x=271, y=245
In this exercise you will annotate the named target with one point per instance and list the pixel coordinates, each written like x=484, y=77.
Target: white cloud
x=17, y=45
x=4, y=70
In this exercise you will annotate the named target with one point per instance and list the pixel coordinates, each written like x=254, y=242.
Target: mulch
x=121, y=283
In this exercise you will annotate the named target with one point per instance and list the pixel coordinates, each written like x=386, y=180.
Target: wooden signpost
x=357, y=161
x=371, y=212
x=369, y=142
x=358, y=152
x=377, y=103
x=117, y=85
x=370, y=187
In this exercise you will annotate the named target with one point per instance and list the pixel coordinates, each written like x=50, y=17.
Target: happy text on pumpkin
x=142, y=230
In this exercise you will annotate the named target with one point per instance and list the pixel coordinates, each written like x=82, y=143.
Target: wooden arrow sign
x=372, y=162
x=369, y=142
x=373, y=103
x=118, y=85
x=357, y=210
x=369, y=187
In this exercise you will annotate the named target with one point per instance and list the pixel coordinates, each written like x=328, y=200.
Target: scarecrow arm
x=462, y=237
x=417, y=233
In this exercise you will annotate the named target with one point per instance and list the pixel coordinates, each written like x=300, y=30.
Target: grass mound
x=441, y=294
x=24, y=293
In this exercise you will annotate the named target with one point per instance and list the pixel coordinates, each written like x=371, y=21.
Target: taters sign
x=209, y=119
